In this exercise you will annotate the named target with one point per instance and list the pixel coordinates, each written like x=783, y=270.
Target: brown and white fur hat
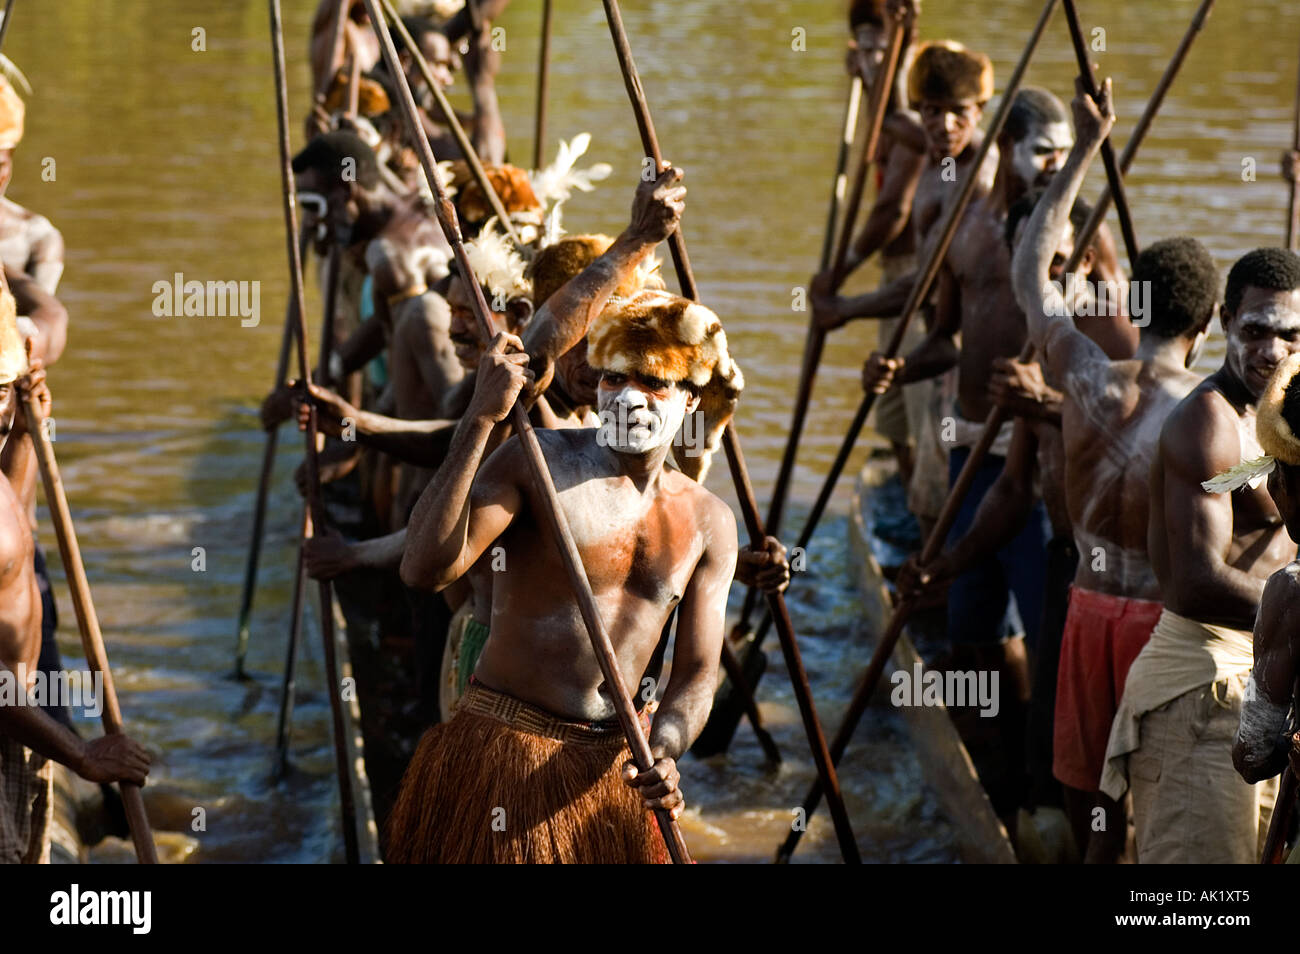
x=566, y=257
x=944, y=69
x=1271, y=428
x=13, y=349
x=663, y=335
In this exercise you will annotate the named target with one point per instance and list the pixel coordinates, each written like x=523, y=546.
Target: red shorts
x=1103, y=635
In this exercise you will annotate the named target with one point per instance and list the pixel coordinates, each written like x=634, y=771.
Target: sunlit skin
x=1213, y=552
x=109, y=758
x=28, y=242
x=651, y=540
x=1111, y=415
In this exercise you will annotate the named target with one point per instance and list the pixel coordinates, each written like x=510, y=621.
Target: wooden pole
x=288, y=681
x=354, y=87
x=453, y=122
x=343, y=765
x=543, y=87
x=997, y=415
x=931, y=270
x=736, y=673
x=736, y=462
x=338, y=44
x=1113, y=177
x=243, y=628
x=552, y=513
x=92, y=639
x=4, y=27
x=1285, y=805
x=1293, y=204
x=1149, y=114
x=815, y=339
x=921, y=289
x=1284, y=808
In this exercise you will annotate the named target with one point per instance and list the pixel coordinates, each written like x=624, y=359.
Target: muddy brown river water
x=165, y=162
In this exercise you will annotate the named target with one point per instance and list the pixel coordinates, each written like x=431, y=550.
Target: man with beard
x=534, y=745
x=1212, y=550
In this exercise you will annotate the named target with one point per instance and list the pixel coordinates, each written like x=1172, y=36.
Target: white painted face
x=1265, y=331
x=1038, y=156
x=634, y=421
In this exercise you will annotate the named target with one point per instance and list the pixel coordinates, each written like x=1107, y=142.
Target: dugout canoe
x=949, y=772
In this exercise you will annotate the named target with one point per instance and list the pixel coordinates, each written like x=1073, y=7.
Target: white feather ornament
x=1248, y=472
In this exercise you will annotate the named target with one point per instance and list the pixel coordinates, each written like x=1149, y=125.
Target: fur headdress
x=944, y=69
x=12, y=112
x=665, y=336
x=509, y=182
x=372, y=98
x=13, y=349
x=566, y=257
x=1276, y=438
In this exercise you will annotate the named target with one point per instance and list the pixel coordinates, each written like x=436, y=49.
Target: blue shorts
x=1002, y=596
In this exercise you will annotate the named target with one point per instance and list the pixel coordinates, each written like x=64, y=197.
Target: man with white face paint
x=1111, y=415
x=653, y=542
x=1212, y=549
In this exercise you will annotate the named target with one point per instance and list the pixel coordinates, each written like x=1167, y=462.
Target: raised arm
x=463, y=510
x=1049, y=323
x=46, y=261
x=45, y=312
x=565, y=317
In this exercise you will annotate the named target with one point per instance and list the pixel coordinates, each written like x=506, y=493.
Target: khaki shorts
x=1189, y=803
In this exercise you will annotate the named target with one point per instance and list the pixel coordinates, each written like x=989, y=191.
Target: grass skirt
x=507, y=783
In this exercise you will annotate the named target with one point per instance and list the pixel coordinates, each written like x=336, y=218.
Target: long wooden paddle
x=552, y=514
x=997, y=415
x=736, y=462
x=543, y=86
x=342, y=763
x=92, y=639
x=1293, y=203
x=243, y=627
x=284, y=721
x=815, y=339
x=921, y=289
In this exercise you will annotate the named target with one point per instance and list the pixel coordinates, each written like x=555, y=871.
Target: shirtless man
x=653, y=541
x=28, y=242
x=1266, y=736
x=1111, y=418
x=1035, y=467
x=900, y=159
x=359, y=40
x=1211, y=553
x=28, y=736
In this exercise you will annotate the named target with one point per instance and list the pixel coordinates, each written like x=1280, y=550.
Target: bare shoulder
x=712, y=513
x=1201, y=436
